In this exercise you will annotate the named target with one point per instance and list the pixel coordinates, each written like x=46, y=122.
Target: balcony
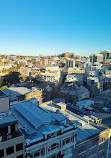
x=4, y=136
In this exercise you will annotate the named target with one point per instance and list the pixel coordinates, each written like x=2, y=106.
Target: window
x=39, y=153
x=20, y=156
x=53, y=146
x=55, y=156
x=19, y=147
x=67, y=140
x=10, y=150
x=1, y=153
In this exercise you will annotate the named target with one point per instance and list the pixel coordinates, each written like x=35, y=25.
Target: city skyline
x=50, y=27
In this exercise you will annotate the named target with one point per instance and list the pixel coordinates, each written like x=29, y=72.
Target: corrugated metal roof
x=34, y=115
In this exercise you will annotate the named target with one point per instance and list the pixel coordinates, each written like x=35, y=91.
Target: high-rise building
x=70, y=63
x=106, y=54
x=96, y=58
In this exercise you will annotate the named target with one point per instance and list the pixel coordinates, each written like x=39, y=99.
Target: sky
x=47, y=27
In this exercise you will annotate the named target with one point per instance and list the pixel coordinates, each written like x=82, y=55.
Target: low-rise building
x=60, y=105
x=91, y=141
x=75, y=78
x=74, y=93
x=85, y=104
x=48, y=134
x=51, y=74
x=23, y=93
x=95, y=85
x=75, y=71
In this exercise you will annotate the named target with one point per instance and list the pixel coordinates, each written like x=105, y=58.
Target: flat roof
x=84, y=130
x=7, y=118
x=17, y=91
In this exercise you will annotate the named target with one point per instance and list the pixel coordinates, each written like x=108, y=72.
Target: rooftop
x=2, y=94
x=36, y=120
x=7, y=118
x=14, y=92
x=85, y=102
x=84, y=130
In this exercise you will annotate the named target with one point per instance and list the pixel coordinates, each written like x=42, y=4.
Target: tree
x=11, y=78
x=1, y=80
x=9, y=70
x=3, y=87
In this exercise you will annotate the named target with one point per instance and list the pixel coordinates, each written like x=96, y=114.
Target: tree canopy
x=11, y=78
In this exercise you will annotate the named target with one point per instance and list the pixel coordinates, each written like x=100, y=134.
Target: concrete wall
x=4, y=104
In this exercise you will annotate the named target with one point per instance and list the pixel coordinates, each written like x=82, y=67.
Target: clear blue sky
x=33, y=27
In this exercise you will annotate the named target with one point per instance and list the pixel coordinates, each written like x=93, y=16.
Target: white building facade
x=57, y=144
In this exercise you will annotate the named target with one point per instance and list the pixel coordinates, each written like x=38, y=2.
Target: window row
x=67, y=140
x=10, y=150
x=52, y=147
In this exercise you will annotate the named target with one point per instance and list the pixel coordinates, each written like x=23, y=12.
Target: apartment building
x=51, y=74
x=70, y=63
x=75, y=79
x=75, y=71
x=96, y=58
x=106, y=54
x=11, y=141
